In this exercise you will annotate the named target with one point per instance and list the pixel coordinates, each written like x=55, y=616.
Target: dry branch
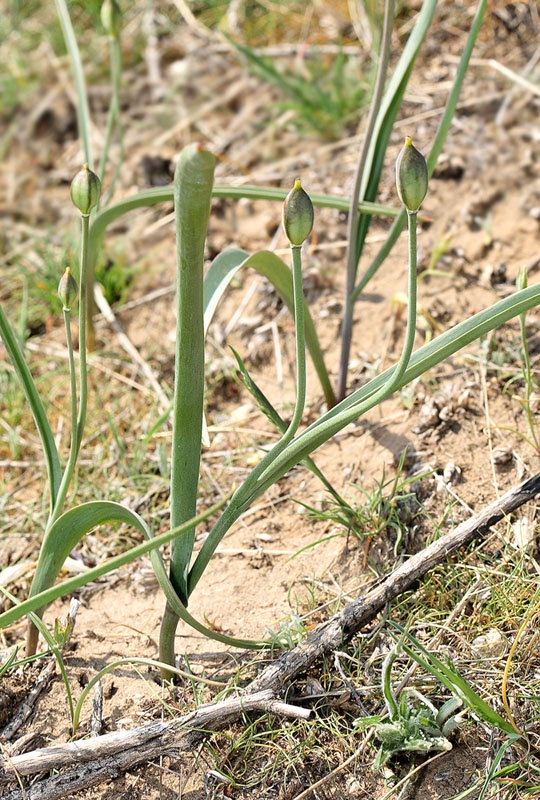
x=107, y=756
x=102, y=757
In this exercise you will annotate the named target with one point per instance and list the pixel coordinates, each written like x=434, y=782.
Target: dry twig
x=107, y=756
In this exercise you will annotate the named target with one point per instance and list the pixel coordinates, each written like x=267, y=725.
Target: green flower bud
x=411, y=177
x=111, y=18
x=85, y=190
x=297, y=214
x=68, y=289
x=521, y=278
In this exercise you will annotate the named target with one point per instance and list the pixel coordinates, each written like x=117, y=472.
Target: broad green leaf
x=223, y=270
x=193, y=180
x=70, y=528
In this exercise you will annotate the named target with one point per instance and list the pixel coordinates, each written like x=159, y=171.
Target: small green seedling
x=414, y=723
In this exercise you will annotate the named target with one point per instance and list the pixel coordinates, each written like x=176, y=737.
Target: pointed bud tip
x=85, y=190
x=111, y=18
x=411, y=176
x=68, y=289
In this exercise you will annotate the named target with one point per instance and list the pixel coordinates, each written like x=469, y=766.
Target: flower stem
x=85, y=307
x=72, y=460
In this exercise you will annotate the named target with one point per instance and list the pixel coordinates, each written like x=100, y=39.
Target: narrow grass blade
x=10, y=661
x=48, y=445
x=496, y=761
x=83, y=112
x=70, y=528
x=270, y=413
x=451, y=678
x=49, y=638
x=390, y=105
x=223, y=270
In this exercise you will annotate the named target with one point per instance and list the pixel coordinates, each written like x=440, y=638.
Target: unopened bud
x=85, y=190
x=111, y=18
x=411, y=176
x=521, y=279
x=68, y=289
x=297, y=215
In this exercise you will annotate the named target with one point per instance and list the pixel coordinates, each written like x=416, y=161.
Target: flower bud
x=411, y=176
x=111, y=18
x=85, y=190
x=297, y=215
x=521, y=278
x=68, y=289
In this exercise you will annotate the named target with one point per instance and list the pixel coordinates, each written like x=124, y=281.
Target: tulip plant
x=198, y=296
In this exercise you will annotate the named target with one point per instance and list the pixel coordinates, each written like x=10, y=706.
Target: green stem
x=32, y=631
x=72, y=460
x=299, y=328
x=85, y=310
x=352, y=224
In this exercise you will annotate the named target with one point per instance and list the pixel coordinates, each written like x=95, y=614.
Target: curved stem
x=394, y=381
x=352, y=224
x=165, y=194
